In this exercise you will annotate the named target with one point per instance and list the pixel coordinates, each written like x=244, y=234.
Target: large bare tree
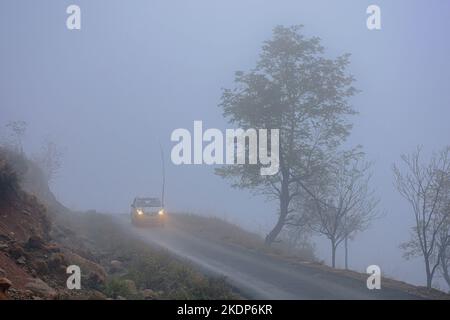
x=425, y=185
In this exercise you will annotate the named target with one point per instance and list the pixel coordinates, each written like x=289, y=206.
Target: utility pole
x=163, y=175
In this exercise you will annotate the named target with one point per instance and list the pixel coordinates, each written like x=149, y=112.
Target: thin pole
x=163, y=175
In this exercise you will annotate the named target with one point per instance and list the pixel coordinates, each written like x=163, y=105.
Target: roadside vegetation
x=39, y=238
x=138, y=271
x=219, y=230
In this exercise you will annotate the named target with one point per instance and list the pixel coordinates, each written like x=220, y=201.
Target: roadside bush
x=8, y=179
x=117, y=287
x=150, y=268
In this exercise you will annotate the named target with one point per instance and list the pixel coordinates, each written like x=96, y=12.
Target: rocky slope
x=40, y=238
x=32, y=262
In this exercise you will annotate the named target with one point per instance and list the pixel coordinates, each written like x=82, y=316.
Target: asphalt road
x=258, y=276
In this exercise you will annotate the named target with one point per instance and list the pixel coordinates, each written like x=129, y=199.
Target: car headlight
x=140, y=212
x=161, y=212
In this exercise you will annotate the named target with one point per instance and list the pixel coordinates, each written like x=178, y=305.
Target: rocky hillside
x=32, y=262
x=39, y=238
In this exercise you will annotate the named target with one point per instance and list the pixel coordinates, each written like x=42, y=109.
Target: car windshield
x=147, y=202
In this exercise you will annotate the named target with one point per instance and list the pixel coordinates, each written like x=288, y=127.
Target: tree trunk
x=284, y=207
x=333, y=254
x=270, y=238
x=428, y=272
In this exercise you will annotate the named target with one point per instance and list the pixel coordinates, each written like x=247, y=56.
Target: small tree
x=9, y=180
x=50, y=160
x=18, y=129
x=426, y=188
x=343, y=203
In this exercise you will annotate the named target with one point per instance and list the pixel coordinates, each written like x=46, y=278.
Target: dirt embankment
x=32, y=262
x=40, y=238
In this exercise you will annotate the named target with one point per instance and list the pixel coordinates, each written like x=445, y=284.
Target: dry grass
x=219, y=230
x=149, y=268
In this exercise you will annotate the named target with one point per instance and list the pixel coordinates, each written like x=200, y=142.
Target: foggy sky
x=111, y=92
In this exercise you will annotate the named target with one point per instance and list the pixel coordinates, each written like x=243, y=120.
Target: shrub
x=148, y=267
x=8, y=179
x=117, y=287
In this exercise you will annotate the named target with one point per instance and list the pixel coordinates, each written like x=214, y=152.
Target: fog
x=111, y=92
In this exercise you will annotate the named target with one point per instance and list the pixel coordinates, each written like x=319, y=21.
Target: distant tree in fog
x=50, y=159
x=18, y=129
x=297, y=90
x=342, y=203
x=444, y=248
x=426, y=187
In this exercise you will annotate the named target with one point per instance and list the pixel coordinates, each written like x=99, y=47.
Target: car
x=147, y=212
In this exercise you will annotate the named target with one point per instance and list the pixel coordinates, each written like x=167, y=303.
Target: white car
x=147, y=212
